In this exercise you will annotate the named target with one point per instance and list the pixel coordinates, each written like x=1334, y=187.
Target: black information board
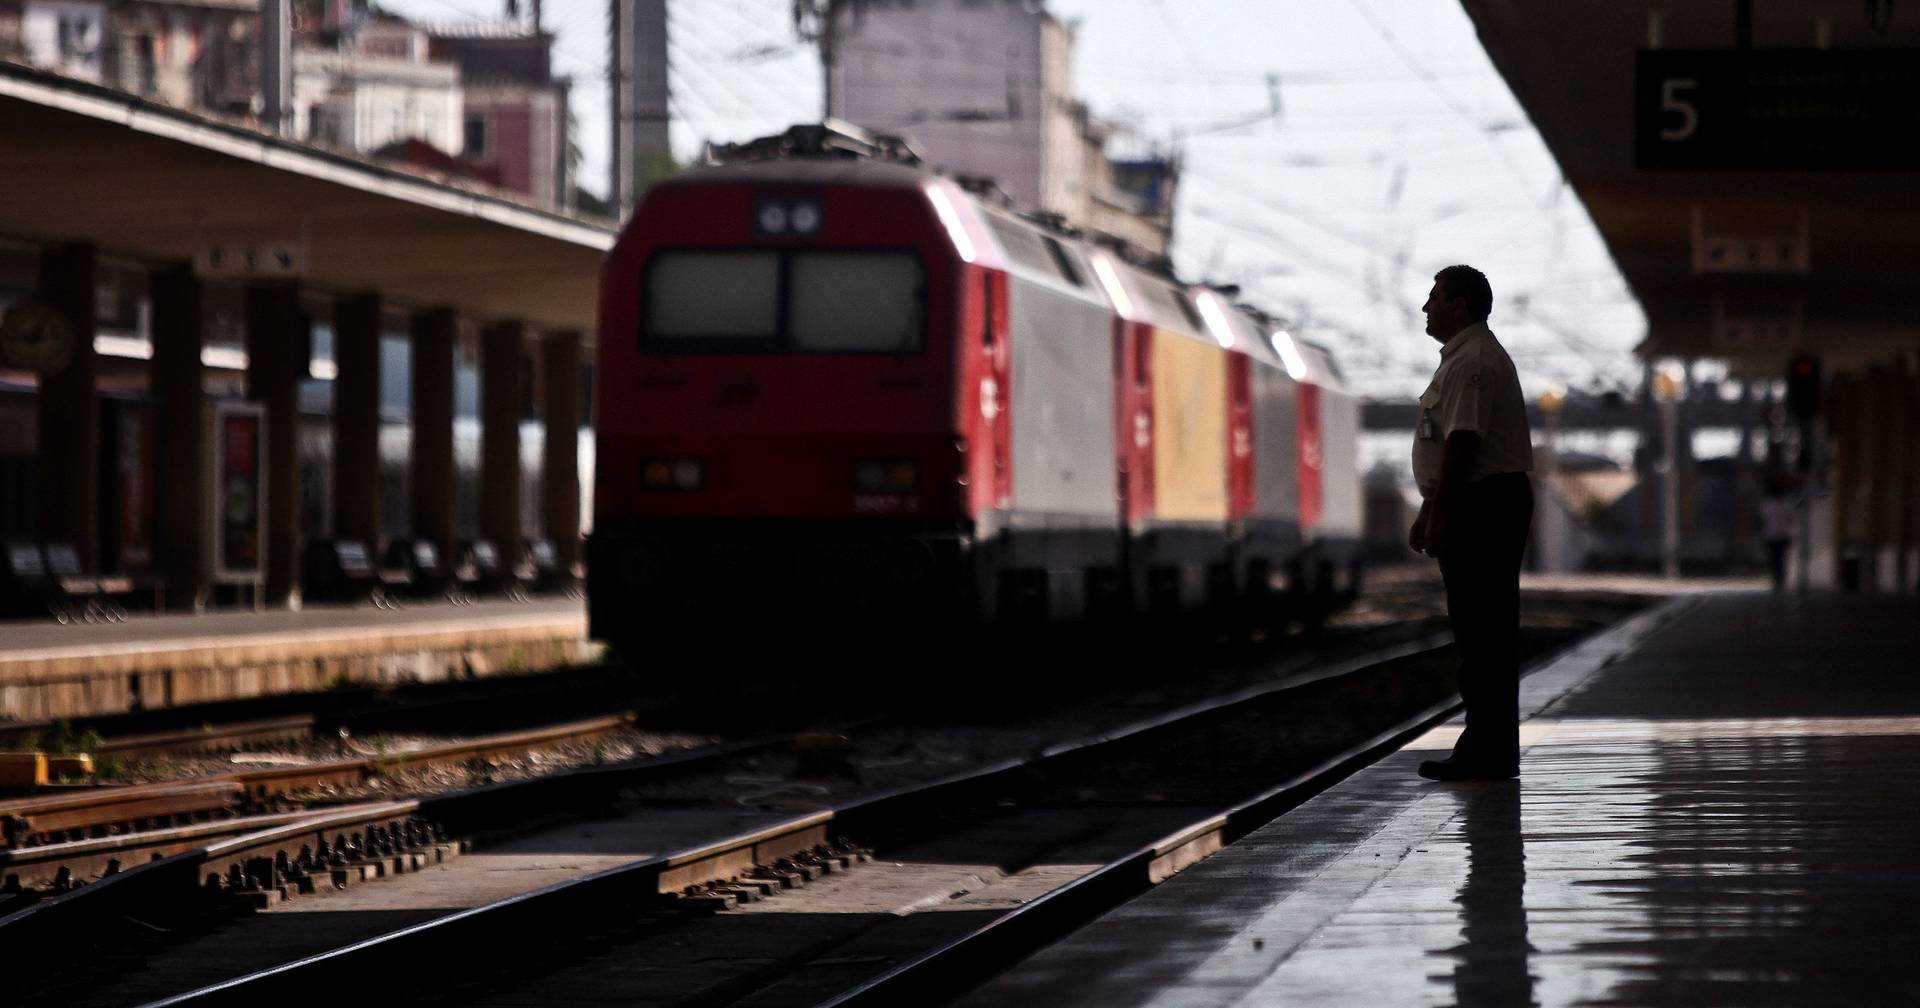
x=1777, y=109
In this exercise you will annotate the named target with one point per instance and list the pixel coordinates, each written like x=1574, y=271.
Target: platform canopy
x=87, y=164
x=1756, y=204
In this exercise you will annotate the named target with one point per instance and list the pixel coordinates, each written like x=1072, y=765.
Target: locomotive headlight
x=787, y=218
x=688, y=474
x=672, y=474
x=805, y=218
x=886, y=476
x=772, y=218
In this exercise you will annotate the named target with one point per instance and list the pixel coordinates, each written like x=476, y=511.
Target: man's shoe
x=1458, y=770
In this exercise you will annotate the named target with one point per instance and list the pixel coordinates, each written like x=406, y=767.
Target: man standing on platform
x=1471, y=455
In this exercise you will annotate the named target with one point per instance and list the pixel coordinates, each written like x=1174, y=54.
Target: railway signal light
x=1803, y=386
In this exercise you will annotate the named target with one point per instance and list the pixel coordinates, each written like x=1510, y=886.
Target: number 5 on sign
x=1672, y=99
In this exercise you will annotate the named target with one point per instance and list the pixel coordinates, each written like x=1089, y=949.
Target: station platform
x=1717, y=806
x=52, y=671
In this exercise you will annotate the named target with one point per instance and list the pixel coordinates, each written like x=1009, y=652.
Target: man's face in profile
x=1444, y=317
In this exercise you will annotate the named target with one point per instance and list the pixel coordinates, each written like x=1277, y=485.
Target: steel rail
x=209, y=737
x=101, y=856
x=937, y=975
x=269, y=781
x=40, y=816
x=610, y=898
x=45, y=815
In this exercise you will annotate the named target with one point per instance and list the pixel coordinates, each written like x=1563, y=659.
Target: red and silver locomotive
x=835, y=385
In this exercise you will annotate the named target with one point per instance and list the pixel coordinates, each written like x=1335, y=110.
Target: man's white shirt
x=1474, y=389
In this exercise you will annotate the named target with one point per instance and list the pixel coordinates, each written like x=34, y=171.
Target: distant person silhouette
x=1471, y=455
x=1777, y=513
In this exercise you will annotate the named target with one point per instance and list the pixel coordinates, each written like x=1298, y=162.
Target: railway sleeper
x=394, y=848
x=767, y=881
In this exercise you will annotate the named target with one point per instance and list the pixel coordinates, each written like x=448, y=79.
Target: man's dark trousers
x=1486, y=536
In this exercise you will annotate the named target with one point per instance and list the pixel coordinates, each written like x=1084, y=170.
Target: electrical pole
x=276, y=51
x=1667, y=388
x=817, y=21
x=637, y=92
x=620, y=66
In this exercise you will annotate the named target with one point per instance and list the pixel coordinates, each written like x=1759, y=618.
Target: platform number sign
x=1676, y=103
x=1768, y=110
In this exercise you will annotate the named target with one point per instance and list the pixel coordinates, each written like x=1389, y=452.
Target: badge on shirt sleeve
x=1428, y=430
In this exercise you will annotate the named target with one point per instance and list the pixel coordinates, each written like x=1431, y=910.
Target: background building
x=190, y=53
x=477, y=101
x=515, y=110
x=985, y=88
x=377, y=87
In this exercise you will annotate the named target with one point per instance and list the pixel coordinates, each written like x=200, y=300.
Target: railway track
x=1143, y=801
x=200, y=872
x=42, y=831
x=208, y=737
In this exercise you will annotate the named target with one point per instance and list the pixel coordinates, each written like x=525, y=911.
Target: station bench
x=49, y=579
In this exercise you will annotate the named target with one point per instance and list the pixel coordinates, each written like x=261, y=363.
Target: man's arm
x=1457, y=458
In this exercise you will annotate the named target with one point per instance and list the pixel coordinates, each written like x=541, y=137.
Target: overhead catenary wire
x=736, y=67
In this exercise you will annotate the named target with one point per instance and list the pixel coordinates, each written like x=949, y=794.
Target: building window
x=146, y=65
x=475, y=136
x=77, y=36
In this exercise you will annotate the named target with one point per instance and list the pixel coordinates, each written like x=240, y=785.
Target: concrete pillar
x=180, y=413
x=356, y=419
x=1888, y=419
x=1910, y=485
x=1845, y=405
x=69, y=412
x=435, y=334
x=278, y=345
x=501, y=346
x=1746, y=488
x=1868, y=473
x=1900, y=482
x=560, y=475
x=1910, y=482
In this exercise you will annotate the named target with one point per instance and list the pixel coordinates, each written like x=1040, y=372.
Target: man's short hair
x=1471, y=284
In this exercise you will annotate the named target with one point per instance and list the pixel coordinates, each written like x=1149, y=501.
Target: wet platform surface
x=1718, y=806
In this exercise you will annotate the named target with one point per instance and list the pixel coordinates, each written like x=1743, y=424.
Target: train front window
x=713, y=297
x=857, y=302
x=794, y=300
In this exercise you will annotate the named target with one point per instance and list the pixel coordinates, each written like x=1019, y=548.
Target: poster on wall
x=239, y=492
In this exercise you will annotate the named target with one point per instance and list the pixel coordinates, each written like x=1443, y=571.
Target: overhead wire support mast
x=638, y=95
x=619, y=156
x=817, y=21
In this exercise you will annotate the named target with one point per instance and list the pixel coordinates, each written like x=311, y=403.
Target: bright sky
x=1398, y=150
